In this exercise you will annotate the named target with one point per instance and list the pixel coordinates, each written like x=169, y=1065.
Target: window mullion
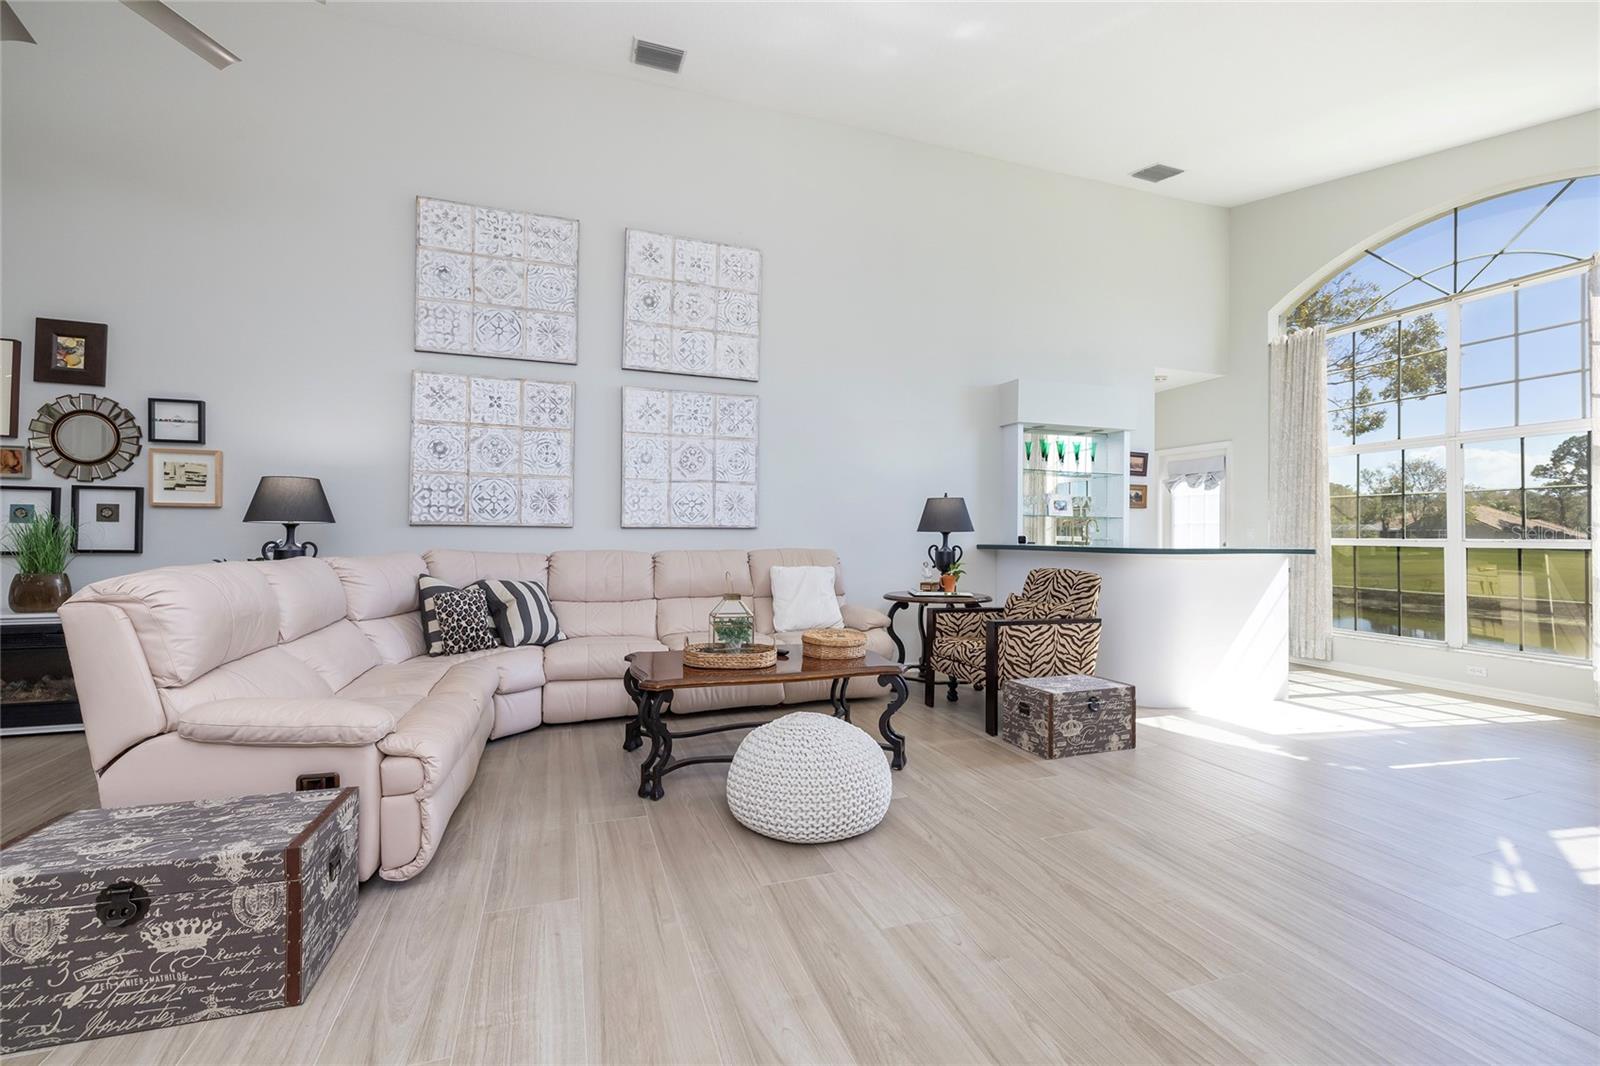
x=1455, y=552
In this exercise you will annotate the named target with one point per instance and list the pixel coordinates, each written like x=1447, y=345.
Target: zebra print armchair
x=1048, y=629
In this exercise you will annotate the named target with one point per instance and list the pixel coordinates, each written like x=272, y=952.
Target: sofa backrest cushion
x=378, y=586
x=380, y=594
x=689, y=583
x=461, y=568
x=604, y=593
x=269, y=672
x=702, y=573
x=338, y=653
x=308, y=592
x=762, y=560
x=192, y=619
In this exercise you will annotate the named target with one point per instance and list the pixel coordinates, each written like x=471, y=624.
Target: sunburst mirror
x=87, y=437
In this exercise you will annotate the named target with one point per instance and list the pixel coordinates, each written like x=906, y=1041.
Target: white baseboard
x=1460, y=687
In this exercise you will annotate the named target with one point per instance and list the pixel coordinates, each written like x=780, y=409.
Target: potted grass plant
x=42, y=549
x=948, y=579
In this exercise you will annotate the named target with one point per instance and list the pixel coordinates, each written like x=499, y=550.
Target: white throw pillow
x=802, y=598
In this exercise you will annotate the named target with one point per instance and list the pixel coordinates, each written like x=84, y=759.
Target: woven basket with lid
x=834, y=643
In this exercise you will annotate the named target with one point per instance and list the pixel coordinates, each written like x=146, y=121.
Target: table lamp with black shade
x=945, y=515
x=290, y=500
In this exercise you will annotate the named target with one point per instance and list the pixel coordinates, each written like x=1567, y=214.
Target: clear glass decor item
x=1094, y=446
x=1027, y=449
x=732, y=623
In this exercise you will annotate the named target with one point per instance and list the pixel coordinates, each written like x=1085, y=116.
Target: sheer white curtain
x=1297, y=483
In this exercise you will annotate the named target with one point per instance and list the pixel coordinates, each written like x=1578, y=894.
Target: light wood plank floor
x=1364, y=873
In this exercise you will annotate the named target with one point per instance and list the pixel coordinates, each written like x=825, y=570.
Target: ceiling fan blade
x=11, y=27
x=183, y=31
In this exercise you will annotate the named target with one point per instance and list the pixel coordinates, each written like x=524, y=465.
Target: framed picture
x=10, y=386
x=69, y=353
x=22, y=505
x=1138, y=496
x=1138, y=464
x=16, y=462
x=109, y=519
x=185, y=478
x=176, y=421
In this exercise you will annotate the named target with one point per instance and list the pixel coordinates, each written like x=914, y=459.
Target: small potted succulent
x=948, y=579
x=42, y=548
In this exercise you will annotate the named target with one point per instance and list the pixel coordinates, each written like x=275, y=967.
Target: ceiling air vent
x=658, y=56
x=1157, y=172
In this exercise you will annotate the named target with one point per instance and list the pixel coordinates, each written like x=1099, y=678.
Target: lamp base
x=288, y=547
x=944, y=556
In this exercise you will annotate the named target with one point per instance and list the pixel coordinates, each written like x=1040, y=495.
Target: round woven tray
x=834, y=643
x=716, y=657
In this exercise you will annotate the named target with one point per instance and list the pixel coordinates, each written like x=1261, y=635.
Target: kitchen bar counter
x=1187, y=627
x=1091, y=549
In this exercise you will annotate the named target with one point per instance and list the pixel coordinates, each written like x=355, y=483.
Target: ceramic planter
x=38, y=593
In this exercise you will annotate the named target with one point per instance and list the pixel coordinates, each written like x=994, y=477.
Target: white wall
x=1278, y=249
x=248, y=237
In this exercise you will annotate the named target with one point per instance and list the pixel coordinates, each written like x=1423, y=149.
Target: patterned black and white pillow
x=455, y=620
x=522, y=613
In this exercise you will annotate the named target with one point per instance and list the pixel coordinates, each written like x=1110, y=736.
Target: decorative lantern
x=732, y=623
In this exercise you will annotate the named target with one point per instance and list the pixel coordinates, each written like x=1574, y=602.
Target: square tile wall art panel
x=689, y=458
x=691, y=307
x=491, y=451
x=496, y=282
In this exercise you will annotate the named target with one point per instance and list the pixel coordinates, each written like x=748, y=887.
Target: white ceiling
x=1250, y=99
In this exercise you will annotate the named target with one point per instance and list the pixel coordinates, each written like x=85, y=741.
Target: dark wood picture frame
x=152, y=435
x=8, y=496
x=137, y=492
x=11, y=358
x=45, y=332
x=1138, y=464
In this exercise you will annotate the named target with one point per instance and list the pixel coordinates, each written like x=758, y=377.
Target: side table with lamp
x=943, y=515
x=291, y=501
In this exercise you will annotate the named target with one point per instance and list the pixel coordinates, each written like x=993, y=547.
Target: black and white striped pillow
x=522, y=613
x=455, y=620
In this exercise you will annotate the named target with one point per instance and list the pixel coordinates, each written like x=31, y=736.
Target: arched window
x=1488, y=243
x=1459, y=412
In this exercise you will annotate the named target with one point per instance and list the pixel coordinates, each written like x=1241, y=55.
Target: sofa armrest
x=959, y=621
x=863, y=618
x=288, y=722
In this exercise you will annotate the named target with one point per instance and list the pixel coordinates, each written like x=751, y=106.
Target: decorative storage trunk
x=135, y=918
x=1074, y=715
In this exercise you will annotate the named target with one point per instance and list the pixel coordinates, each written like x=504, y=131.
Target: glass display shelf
x=1073, y=517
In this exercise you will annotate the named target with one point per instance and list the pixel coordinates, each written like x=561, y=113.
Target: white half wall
x=1279, y=248
x=248, y=237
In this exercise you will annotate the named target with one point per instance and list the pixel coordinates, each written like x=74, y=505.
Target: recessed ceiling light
x=1157, y=172
x=1160, y=378
x=657, y=56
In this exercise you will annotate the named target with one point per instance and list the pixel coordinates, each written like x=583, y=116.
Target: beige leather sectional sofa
x=230, y=679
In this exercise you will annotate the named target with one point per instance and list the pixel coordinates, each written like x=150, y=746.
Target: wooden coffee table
x=653, y=676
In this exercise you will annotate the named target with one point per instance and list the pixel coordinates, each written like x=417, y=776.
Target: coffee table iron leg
x=897, y=743
x=836, y=696
x=660, y=747
x=631, y=730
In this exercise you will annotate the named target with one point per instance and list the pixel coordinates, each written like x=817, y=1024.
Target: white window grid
x=1455, y=542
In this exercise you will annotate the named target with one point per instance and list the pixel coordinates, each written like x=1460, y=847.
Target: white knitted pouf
x=809, y=778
